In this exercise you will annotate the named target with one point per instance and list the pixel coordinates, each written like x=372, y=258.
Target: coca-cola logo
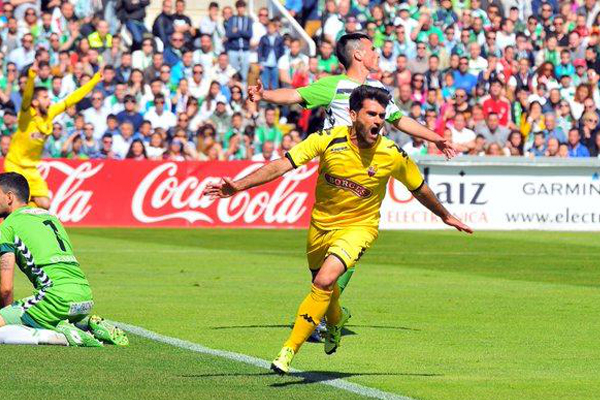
x=347, y=184
x=70, y=203
x=163, y=196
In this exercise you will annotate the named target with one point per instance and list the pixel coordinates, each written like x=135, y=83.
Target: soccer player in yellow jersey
x=34, y=126
x=355, y=165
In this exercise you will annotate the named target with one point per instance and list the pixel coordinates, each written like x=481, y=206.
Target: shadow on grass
x=310, y=377
x=345, y=330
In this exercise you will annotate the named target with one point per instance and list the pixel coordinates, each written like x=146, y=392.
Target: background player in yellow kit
x=34, y=126
x=355, y=165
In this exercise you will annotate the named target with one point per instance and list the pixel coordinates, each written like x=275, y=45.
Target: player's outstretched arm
x=426, y=197
x=29, y=86
x=74, y=97
x=7, y=270
x=279, y=96
x=415, y=129
x=227, y=187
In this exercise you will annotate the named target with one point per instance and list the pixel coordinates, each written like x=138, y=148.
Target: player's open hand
x=255, y=93
x=223, y=189
x=446, y=147
x=34, y=68
x=451, y=220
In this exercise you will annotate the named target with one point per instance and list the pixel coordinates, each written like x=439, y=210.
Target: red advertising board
x=157, y=193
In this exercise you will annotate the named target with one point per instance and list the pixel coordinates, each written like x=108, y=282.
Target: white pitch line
x=258, y=362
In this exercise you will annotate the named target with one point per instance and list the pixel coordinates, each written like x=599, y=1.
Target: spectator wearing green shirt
x=9, y=123
x=268, y=132
x=44, y=78
x=328, y=62
x=236, y=129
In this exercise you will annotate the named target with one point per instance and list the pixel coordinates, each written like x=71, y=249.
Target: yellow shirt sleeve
x=406, y=171
x=311, y=147
x=73, y=98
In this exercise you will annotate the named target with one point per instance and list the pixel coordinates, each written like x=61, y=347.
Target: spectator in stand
x=137, y=151
x=174, y=50
x=142, y=59
x=495, y=103
x=269, y=132
x=492, y=131
x=162, y=28
x=289, y=63
x=132, y=13
x=270, y=50
x=212, y=26
x=129, y=114
x=182, y=23
x=268, y=153
x=158, y=116
x=239, y=33
x=576, y=149
x=97, y=114
x=122, y=142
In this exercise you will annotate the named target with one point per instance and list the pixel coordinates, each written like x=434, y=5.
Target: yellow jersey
x=352, y=181
x=28, y=141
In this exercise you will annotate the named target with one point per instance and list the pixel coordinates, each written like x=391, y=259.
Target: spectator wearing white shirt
x=116, y=102
x=222, y=71
x=387, y=61
x=290, y=62
x=97, y=114
x=24, y=55
x=158, y=116
x=205, y=55
x=477, y=63
x=197, y=83
x=142, y=59
x=122, y=142
x=268, y=153
x=462, y=137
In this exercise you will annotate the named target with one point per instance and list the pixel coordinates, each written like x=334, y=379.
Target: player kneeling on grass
x=355, y=165
x=36, y=241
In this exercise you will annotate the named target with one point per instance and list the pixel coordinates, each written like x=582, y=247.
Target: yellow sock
x=334, y=312
x=310, y=313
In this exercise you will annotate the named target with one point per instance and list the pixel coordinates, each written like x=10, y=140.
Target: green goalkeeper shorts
x=48, y=307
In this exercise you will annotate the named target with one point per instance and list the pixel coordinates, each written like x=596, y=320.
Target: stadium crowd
x=499, y=77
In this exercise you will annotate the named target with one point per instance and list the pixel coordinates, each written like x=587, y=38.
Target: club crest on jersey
x=347, y=184
x=372, y=170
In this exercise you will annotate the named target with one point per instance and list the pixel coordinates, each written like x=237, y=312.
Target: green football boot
x=334, y=333
x=77, y=337
x=106, y=332
x=281, y=364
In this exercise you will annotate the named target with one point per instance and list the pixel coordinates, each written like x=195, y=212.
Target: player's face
x=370, y=57
x=44, y=102
x=5, y=201
x=368, y=121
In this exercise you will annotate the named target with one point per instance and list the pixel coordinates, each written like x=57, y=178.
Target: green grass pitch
x=436, y=316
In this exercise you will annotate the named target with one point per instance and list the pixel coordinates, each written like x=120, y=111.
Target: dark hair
x=346, y=45
x=38, y=90
x=364, y=92
x=16, y=183
x=130, y=152
x=240, y=3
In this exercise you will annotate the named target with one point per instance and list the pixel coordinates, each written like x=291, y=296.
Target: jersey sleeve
x=7, y=238
x=319, y=93
x=392, y=112
x=311, y=147
x=406, y=171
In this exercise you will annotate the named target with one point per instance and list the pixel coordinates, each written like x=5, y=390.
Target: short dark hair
x=346, y=44
x=38, y=90
x=240, y=3
x=16, y=183
x=364, y=92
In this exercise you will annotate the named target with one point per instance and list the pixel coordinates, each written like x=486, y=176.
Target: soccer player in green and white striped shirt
x=358, y=56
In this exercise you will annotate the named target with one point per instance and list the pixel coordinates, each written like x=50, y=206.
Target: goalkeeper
x=35, y=241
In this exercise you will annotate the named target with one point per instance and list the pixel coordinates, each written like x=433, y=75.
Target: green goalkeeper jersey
x=42, y=248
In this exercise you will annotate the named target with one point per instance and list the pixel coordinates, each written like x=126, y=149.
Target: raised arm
x=268, y=173
x=7, y=269
x=74, y=97
x=278, y=96
x=433, y=204
x=28, y=92
x=413, y=128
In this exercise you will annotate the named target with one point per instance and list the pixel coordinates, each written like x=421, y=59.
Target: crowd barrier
x=487, y=193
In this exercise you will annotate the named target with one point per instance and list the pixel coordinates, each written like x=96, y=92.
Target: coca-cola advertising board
x=155, y=193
